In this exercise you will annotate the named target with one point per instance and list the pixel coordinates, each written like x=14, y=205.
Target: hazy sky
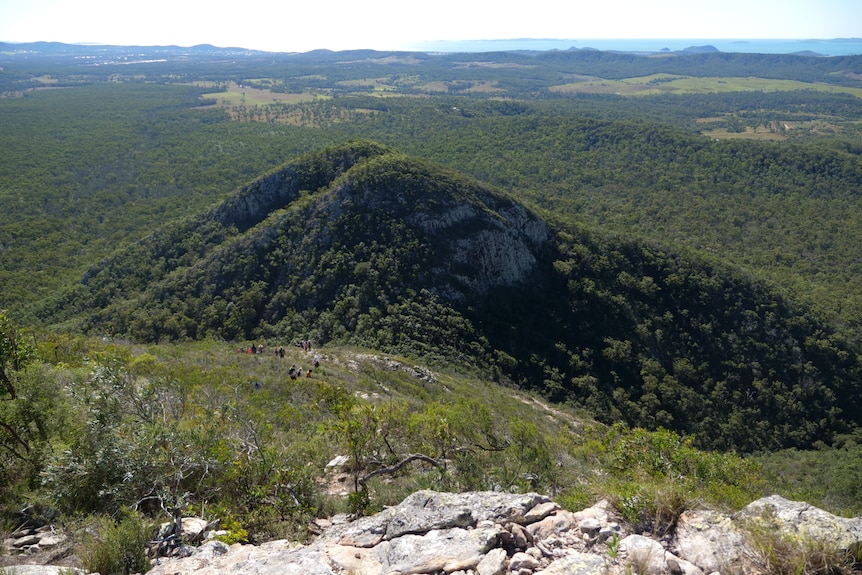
x=301, y=25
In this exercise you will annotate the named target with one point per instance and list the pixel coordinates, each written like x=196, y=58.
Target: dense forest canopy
x=114, y=157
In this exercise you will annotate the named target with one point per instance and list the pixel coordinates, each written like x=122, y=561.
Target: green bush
x=358, y=502
x=576, y=498
x=117, y=547
x=656, y=475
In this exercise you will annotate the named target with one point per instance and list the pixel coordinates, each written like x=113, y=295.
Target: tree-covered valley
x=674, y=273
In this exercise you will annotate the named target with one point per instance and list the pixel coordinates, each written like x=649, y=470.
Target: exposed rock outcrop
x=491, y=533
x=497, y=533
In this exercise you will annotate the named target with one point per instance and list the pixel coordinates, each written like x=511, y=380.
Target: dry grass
x=748, y=134
x=782, y=553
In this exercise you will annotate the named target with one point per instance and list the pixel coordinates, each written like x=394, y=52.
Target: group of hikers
x=278, y=351
x=294, y=371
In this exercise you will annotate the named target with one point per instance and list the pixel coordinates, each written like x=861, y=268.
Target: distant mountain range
x=61, y=49
x=833, y=47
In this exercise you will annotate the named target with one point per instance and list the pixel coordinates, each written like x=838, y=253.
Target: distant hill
x=809, y=54
x=707, y=49
x=362, y=244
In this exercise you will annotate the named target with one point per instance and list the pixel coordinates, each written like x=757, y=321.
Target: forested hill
x=362, y=244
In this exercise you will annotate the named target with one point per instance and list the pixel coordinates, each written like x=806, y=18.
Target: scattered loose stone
x=540, y=511
x=494, y=563
x=522, y=561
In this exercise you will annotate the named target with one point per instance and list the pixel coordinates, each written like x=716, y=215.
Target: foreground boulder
x=524, y=534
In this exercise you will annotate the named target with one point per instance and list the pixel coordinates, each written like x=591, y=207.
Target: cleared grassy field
x=759, y=133
x=670, y=84
x=383, y=84
x=240, y=95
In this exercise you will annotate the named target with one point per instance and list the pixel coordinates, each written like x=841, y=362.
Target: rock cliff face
x=483, y=246
x=498, y=533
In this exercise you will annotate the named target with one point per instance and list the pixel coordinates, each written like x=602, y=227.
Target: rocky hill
x=361, y=244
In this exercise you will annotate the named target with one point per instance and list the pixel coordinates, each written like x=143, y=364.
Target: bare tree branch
x=394, y=468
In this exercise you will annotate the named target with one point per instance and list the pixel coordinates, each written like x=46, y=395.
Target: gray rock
x=193, y=527
x=646, y=556
x=409, y=520
x=520, y=536
x=49, y=541
x=338, y=461
x=599, y=512
x=427, y=553
x=212, y=549
x=424, y=511
x=522, y=561
x=577, y=564
x=251, y=560
x=21, y=532
x=677, y=566
x=800, y=518
x=484, y=505
x=494, y=563
x=560, y=522
x=608, y=531
x=26, y=541
x=590, y=526
x=419, y=513
x=540, y=511
x=713, y=542
x=363, y=534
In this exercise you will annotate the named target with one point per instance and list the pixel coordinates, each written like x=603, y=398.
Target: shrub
x=117, y=547
x=653, y=506
x=658, y=475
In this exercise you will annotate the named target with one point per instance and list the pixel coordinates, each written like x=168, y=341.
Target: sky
x=303, y=25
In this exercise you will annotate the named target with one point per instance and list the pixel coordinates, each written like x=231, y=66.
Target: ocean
x=836, y=47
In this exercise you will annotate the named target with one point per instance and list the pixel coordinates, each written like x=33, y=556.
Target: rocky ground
x=501, y=534
x=489, y=533
x=42, y=551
